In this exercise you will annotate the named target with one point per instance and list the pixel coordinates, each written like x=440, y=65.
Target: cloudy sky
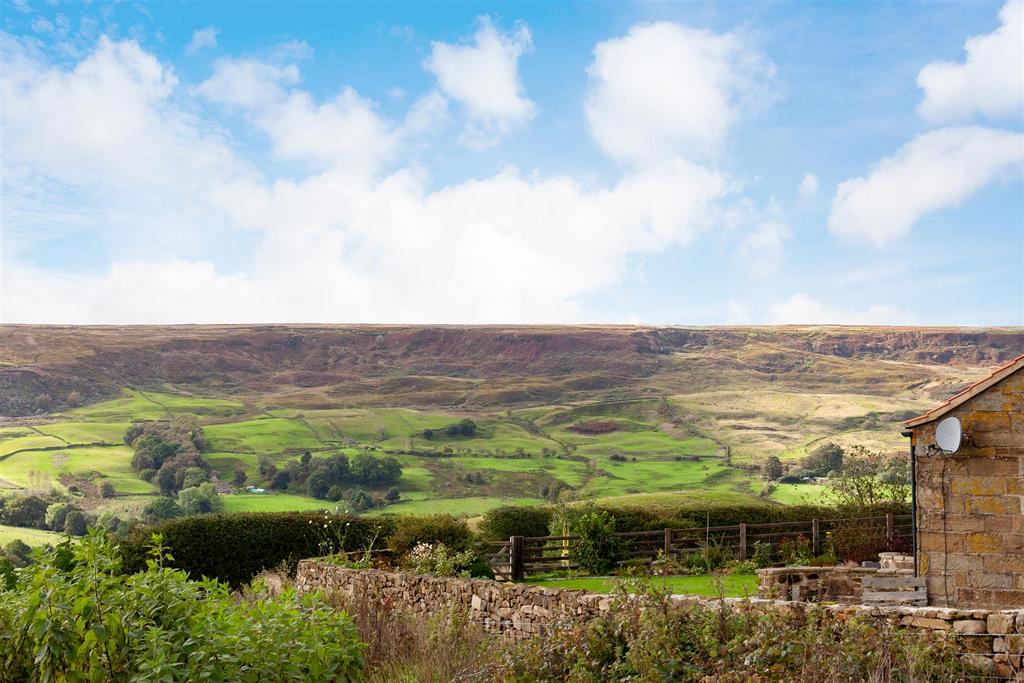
x=538, y=162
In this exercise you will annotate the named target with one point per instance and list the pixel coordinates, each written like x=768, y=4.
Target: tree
x=823, y=460
x=75, y=523
x=428, y=434
x=317, y=486
x=264, y=465
x=467, y=427
x=200, y=500
x=26, y=511
x=162, y=508
x=393, y=495
x=772, y=467
x=868, y=478
x=106, y=490
x=359, y=500
x=193, y=476
x=56, y=514
x=306, y=457
x=280, y=480
x=165, y=480
x=239, y=477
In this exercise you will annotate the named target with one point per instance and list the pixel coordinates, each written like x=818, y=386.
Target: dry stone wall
x=992, y=640
x=970, y=505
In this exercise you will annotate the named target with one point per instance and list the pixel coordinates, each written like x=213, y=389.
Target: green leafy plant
x=439, y=560
x=92, y=622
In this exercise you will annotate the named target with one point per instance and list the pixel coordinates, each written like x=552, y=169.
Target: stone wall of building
x=970, y=505
x=992, y=640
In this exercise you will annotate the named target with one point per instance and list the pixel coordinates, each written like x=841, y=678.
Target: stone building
x=969, y=505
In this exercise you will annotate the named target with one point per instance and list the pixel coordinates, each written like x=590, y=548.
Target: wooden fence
x=522, y=556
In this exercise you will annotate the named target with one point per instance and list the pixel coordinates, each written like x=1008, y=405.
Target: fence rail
x=522, y=555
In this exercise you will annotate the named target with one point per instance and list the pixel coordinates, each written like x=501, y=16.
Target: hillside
x=681, y=409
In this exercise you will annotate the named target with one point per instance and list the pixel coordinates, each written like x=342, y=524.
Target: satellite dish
x=948, y=435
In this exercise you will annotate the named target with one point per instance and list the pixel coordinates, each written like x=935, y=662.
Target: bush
x=597, y=549
x=764, y=555
x=99, y=624
x=511, y=520
x=411, y=531
x=235, y=547
x=439, y=560
x=26, y=511
x=647, y=638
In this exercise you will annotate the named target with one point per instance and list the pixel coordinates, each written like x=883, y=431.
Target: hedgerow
x=235, y=547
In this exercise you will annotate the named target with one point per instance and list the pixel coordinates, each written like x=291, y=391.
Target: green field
x=32, y=537
x=273, y=502
x=514, y=458
x=725, y=585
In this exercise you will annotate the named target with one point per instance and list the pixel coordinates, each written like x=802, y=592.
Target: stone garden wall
x=990, y=639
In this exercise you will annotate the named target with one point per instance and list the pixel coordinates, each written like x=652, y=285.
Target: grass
x=19, y=439
x=798, y=494
x=32, y=537
x=644, y=476
x=87, y=432
x=460, y=507
x=112, y=463
x=274, y=502
x=149, y=405
x=263, y=435
x=729, y=585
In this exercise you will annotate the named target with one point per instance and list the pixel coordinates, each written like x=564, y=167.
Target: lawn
x=729, y=585
x=798, y=494
x=32, y=537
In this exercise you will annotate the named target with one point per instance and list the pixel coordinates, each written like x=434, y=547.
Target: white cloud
x=202, y=39
x=802, y=309
x=217, y=241
x=665, y=89
x=344, y=134
x=991, y=79
x=738, y=313
x=484, y=77
x=248, y=82
x=933, y=171
x=763, y=249
x=809, y=185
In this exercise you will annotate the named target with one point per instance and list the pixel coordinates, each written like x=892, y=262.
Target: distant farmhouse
x=969, y=496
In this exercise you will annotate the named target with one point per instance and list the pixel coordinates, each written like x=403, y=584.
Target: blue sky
x=664, y=163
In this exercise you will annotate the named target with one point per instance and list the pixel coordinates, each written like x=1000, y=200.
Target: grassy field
x=515, y=457
x=32, y=537
x=726, y=585
x=273, y=502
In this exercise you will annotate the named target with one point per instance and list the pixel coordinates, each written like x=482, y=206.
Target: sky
x=644, y=163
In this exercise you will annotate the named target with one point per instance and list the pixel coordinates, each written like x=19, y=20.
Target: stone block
x=1015, y=644
x=981, y=663
x=971, y=626
x=927, y=622
x=988, y=505
x=999, y=623
x=983, y=543
x=987, y=485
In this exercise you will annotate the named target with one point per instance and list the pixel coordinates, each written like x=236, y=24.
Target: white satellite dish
x=949, y=434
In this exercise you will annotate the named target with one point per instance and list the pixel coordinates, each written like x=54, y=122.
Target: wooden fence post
x=668, y=543
x=815, y=537
x=743, y=541
x=516, y=557
x=890, y=526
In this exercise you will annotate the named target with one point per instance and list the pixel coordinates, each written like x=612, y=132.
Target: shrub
x=75, y=523
x=26, y=511
x=161, y=509
x=597, y=549
x=512, y=520
x=438, y=559
x=795, y=551
x=235, y=547
x=99, y=624
x=411, y=531
x=200, y=499
x=646, y=638
x=764, y=555
x=106, y=490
